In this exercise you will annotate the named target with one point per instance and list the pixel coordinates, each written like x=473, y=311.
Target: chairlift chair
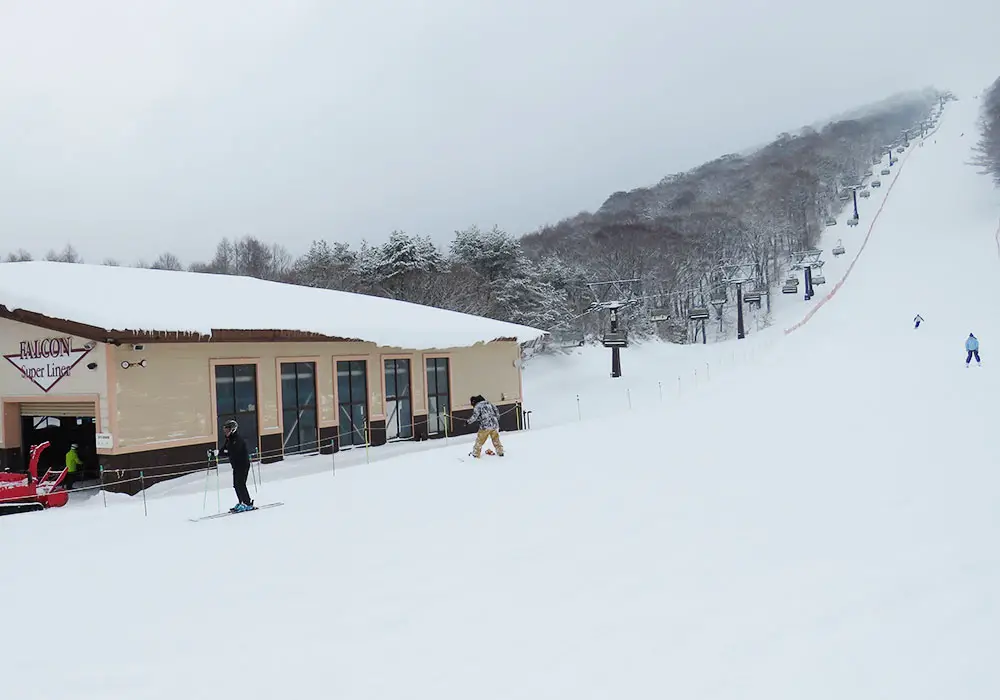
x=852, y=221
x=864, y=194
x=616, y=339
x=876, y=183
x=790, y=288
x=752, y=297
x=699, y=313
x=838, y=249
x=844, y=197
x=818, y=279
x=831, y=221
x=886, y=171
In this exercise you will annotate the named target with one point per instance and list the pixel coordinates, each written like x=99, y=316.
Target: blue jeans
x=971, y=353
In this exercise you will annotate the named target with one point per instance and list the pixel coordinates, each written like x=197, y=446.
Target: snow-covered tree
x=20, y=255
x=491, y=254
x=167, y=261
x=67, y=254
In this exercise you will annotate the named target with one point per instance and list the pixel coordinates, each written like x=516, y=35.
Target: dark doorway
x=61, y=431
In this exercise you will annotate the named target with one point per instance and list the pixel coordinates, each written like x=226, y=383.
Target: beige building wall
x=77, y=384
x=170, y=402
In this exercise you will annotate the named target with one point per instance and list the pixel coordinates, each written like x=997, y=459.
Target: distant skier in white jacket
x=488, y=417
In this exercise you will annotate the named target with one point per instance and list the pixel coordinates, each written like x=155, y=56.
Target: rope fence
x=181, y=469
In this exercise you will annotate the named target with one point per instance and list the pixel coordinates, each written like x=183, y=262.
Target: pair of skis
x=262, y=506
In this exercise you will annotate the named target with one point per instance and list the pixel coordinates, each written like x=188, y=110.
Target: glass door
x=298, y=407
x=438, y=396
x=236, y=397
x=352, y=401
x=398, y=406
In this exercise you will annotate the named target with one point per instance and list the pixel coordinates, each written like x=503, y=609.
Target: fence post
x=142, y=485
x=104, y=493
x=628, y=395
x=579, y=413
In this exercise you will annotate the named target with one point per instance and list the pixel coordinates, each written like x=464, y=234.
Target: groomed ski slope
x=822, y=524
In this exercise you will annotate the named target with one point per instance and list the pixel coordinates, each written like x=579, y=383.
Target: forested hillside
x=987, y=150
x=679, y=237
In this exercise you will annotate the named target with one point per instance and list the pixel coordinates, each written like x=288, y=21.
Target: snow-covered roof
x=136, y=300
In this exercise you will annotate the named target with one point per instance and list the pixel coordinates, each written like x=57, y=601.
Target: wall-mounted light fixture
x=126, y=364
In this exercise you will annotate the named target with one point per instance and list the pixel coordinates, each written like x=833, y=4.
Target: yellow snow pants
x=481, y=436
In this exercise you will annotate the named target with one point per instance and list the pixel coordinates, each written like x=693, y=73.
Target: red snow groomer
x=25, y=492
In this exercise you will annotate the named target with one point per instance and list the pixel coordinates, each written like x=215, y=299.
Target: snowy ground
x=818, y=520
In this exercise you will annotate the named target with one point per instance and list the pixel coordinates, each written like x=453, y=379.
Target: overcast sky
x=132, y=127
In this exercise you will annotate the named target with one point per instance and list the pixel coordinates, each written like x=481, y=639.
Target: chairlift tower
x=615, y=295
x=739, y=275
x=807, y=261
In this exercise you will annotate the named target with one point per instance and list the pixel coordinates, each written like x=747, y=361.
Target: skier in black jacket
x=235, y=447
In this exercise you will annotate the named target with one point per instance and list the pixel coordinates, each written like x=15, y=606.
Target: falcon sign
x=48, y=360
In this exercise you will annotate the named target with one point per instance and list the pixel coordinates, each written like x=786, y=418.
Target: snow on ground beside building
x=822, y=526
x=137, y=299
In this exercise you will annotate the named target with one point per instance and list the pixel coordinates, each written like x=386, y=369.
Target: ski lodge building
x=141, y=367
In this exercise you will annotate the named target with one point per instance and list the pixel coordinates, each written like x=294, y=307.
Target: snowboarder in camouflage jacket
x=488, y=417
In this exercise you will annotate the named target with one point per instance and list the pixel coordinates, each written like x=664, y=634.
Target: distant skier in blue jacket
x=972, y=348
x=916, y=321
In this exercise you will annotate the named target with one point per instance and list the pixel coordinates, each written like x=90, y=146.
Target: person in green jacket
x=73, y=464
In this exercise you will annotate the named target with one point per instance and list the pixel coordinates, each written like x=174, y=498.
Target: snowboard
x=486, y=453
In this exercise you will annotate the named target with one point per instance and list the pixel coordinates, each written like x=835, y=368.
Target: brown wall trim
x=121, y=472
x=271, y=448
x=328, y=439
x=58, y=325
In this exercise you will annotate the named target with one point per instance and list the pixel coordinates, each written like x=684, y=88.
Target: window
x=236, y=398
x=298, y=407
x=352, y=402
x=398, y=405
x=438, y=396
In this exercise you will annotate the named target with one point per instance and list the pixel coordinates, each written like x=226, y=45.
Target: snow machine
x=25, y=492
